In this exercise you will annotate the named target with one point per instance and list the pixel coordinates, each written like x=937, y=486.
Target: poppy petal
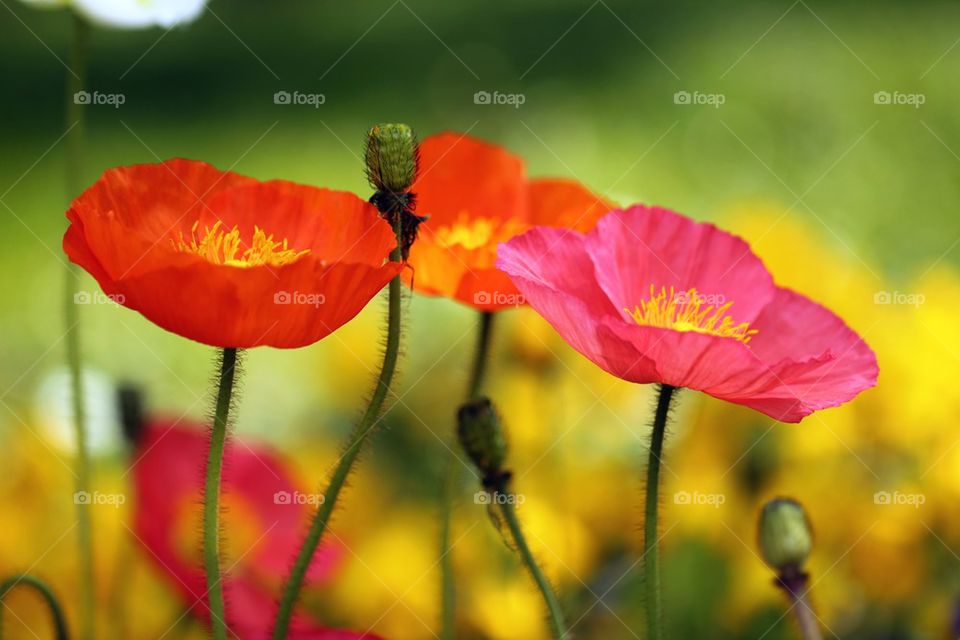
x=784, y=355
x=461, y=175
x=226, y=260
x=476, y=196
x=642, y=247
x=556, y=202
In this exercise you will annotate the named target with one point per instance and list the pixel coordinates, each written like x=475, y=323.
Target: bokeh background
x=849, y=200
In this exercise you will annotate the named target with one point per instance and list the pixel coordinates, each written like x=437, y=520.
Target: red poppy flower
x=265, y=513
x=652, y=296
x=475, y=196
x=227, y=260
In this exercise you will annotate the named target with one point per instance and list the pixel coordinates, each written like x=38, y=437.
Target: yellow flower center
x=476, y=236
x=477, y=232
x=219, y=246
x=689, y=311
x=469, y=234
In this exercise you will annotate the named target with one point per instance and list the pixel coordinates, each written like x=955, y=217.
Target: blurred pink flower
x=264, y=503
x=652, y=296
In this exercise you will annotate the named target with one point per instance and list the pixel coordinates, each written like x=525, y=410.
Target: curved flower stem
x=291, y=590
x=56, y=612
x=450, y=477
x=651, y=542
x=507, y=509
x=74, y=113
x=211, y=493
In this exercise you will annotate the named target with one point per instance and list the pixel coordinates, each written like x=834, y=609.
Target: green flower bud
x=481, y=435
x=785, y=534
x=391, y=157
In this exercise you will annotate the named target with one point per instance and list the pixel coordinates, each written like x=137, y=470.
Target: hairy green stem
x=211, y=493
x=451, y=476
x=74, y=114
x=504, y=500
x=294, y=583
x=651, y=542
x=56, y=612
x=481, y=355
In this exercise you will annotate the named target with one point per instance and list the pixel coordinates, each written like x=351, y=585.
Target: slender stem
x=74, y=113
x=56, y=612
x=291, y=590
x=651, y=542
x=448, y=590
x=481, y=355
x=211, y=493
x=806, y=619
x=794, y=583
x=451, y=476
x=503, y=498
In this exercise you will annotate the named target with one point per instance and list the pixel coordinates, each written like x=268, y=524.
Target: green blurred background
x=848, y=197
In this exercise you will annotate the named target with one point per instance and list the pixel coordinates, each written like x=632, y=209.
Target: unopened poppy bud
x=391, y=157
x=785, y=534
x=481, y=435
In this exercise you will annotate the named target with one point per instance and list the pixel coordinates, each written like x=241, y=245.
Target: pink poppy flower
x=266, y=516
x=653, y=297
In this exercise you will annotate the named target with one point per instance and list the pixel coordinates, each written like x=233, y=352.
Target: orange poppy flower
x=476, y=195
x=227, y=260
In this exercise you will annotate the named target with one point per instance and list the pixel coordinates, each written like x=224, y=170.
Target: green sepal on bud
x=481, y=436
x=391, y=157
x=786, y=537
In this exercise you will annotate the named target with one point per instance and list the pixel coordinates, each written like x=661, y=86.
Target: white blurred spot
x=54, y=412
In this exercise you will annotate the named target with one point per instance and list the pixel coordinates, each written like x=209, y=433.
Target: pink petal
x=818, y=360
x=553, y=272
x=642, y=246
x=803, y=358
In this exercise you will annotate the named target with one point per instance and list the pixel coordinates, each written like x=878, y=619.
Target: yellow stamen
x=687, y=311
x=476, y=232
x=477, y=237
x=223, y=247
